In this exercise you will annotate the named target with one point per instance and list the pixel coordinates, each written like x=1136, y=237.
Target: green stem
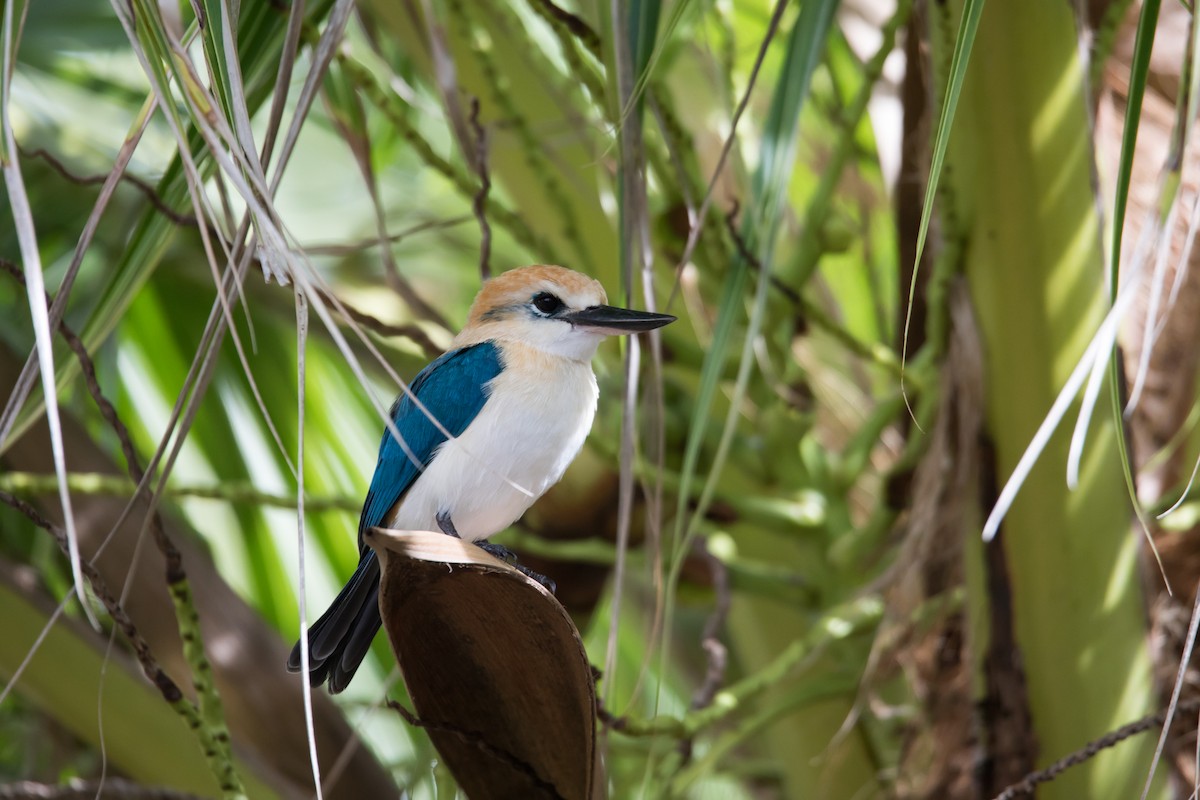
x=821, y=204
x=93, y=483
x=748, y=728
x=873, y=352
x=533, y=149
x=212, y=728
x=575, y=51
x=840, y=623
x=395, y=110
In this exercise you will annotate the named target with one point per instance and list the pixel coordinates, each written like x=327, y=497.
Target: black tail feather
x=339, y=640
x=355, y=645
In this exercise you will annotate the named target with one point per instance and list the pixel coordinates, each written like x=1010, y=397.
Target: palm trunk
x=1059, y=611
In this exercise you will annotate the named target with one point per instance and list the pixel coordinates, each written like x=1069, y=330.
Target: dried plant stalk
x=496, y=670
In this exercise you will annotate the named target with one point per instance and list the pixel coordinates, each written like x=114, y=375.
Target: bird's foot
x=446, y=524
x=509, y=557
x=498, y=550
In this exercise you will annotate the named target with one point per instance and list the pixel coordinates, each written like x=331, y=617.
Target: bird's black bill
x=607, y=319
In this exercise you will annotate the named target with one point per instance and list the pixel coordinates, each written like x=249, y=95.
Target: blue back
x=453, y=388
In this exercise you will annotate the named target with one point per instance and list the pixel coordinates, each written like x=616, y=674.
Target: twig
x=752, y=260
x=1027, y=784
x=360, y=148
x=877, y=353
x=630, y=726
x=545, y=163
x=348, y=248
x=190, y=221
x=76, y=789
x=145, y=188
x=209, y=722
x=694, y=234
x=714, y=648
x=479, y=202
x=412, y=332
x=576, y=25
x=87, y=366
x=395, y=110
x=150, y=667
x=477, y=739
x=98, y=483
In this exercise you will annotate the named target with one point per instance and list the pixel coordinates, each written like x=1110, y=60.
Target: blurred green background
x=921, y=220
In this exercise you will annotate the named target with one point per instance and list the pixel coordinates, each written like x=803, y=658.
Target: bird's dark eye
x=547, y=303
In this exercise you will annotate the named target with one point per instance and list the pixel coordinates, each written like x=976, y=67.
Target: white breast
x=530, y=429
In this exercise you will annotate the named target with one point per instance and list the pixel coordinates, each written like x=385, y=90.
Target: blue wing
x=453, y=389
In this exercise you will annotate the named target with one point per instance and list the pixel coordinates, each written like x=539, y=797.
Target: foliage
x=741, y=542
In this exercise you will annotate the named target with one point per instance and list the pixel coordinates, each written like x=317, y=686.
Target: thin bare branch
x=576, y=25
x=714, y=648
x=380, y=327
x=76, y=789
x=479, y=203
x=350, y=248
x=1029, y=783
x=358, y=140
x=694, y=234
x=148, y=191
x=133, y=464
x=167, y=687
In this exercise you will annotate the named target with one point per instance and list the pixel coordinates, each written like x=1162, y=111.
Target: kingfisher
x=516, y=395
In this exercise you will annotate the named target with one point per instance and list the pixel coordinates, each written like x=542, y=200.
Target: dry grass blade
x=25, y=382
x=495, y=668
x=636, y=257
x=694, y=233
x=35, y=289
x=301, y=395
x=1099, y=345
x=283, y=80
x=331, y=37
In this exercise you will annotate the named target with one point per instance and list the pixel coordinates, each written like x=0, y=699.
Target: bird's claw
x=509, y=557
x=498, y=550
x=446, y=524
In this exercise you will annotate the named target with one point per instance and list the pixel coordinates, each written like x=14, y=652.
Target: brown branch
x=413, y=332
x=479, y=202
x=1027, y=784
x=330, y=249
x=108, y=789
x=807, y=313
x=145, y=188
x=701, y=215
x=714, y=648
x=608, y=719
x=752, y=260
x=576, y=25
x=476, y=739
x=175, y=571
x=167, y=687
x=400, y=285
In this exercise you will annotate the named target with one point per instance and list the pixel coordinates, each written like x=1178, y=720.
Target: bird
x=517, y=395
